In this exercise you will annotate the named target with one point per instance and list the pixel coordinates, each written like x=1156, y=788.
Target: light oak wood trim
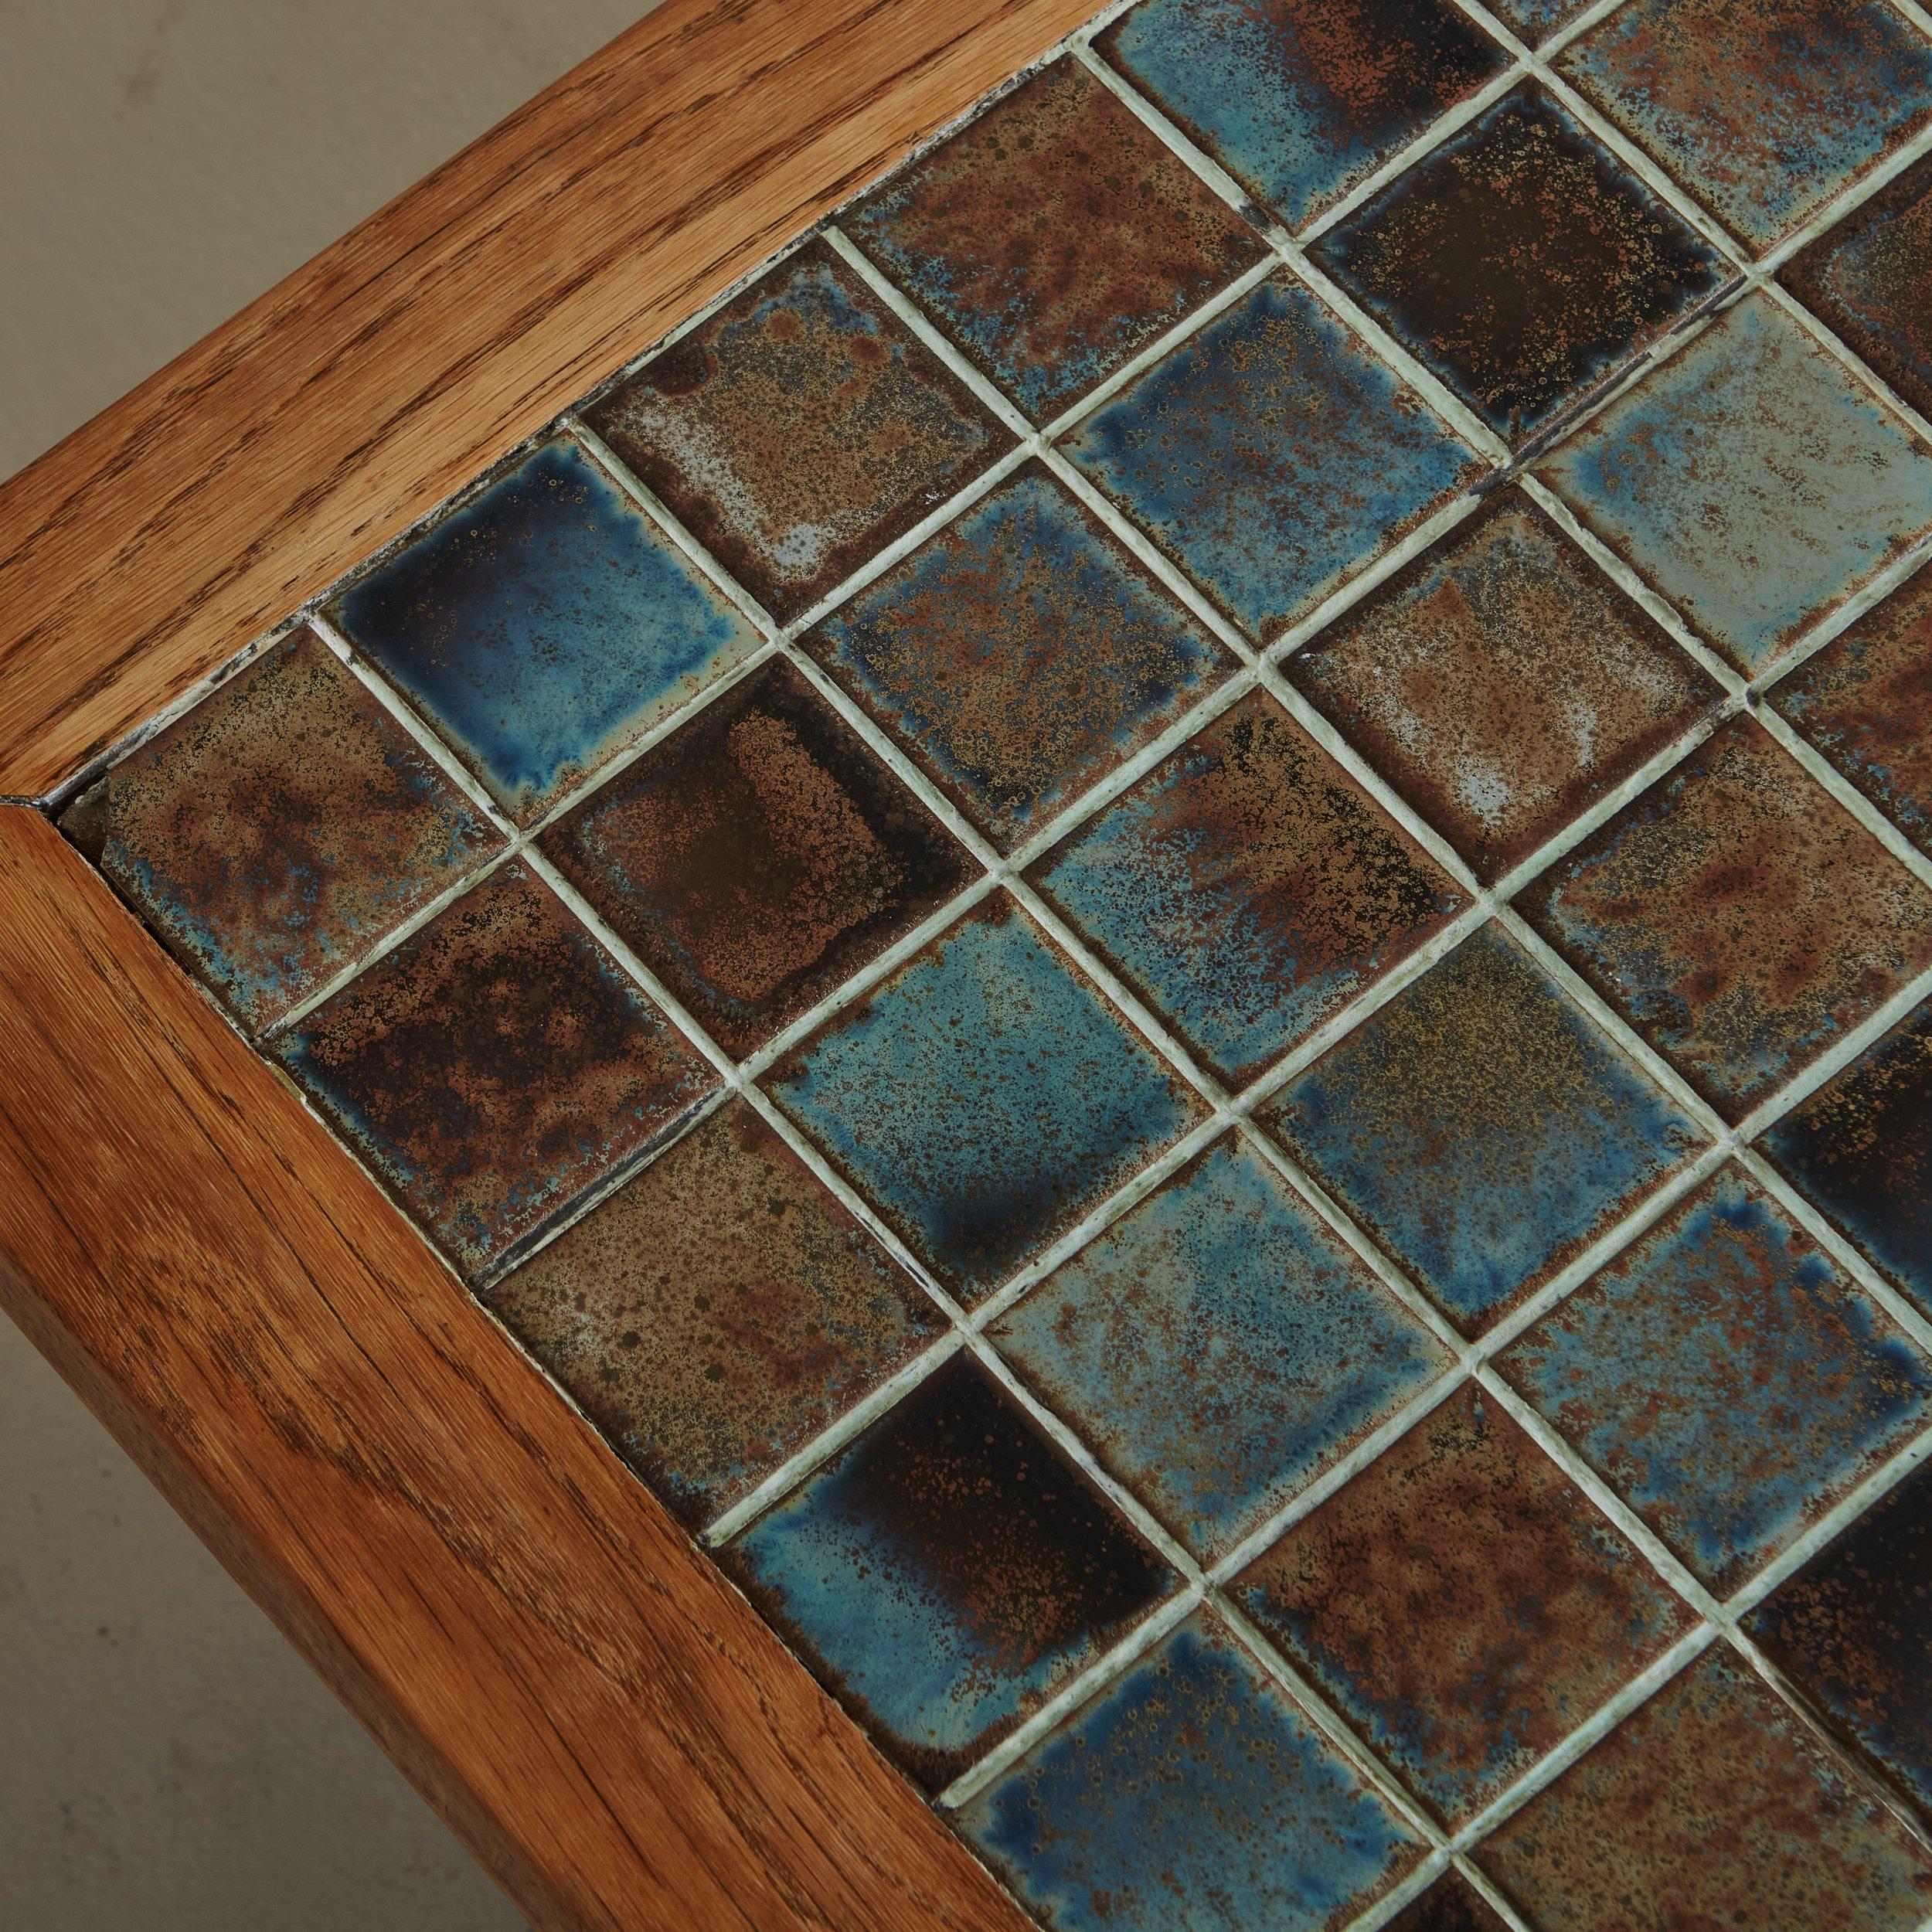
x=153, y=543
x=524, y=1629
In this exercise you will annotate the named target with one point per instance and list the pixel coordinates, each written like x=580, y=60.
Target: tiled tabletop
x=1169, y=921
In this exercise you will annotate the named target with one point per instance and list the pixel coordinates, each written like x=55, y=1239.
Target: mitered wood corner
x=153, y=543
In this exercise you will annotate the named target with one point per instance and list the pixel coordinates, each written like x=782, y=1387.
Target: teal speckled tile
x=1193, y=1793
x=984, y=1098
x=1751, y=480
x=1219, y=1347
x=1726, y=1379
x=1271, y=455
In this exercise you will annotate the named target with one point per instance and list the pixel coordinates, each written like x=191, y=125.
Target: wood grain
x=572, y=1684
x=153, y=543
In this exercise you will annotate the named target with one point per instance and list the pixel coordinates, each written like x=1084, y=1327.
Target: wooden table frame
x=610, y=1727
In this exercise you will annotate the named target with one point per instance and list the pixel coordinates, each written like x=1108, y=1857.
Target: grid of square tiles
x=1401, y=944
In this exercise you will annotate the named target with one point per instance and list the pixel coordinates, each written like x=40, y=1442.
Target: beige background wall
x=166, y=1764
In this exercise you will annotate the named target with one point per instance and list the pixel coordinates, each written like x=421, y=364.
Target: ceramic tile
x=493, y=1067
x=1536, y=20
x=717, y=1313
x=1726, y=1379
x=1192, y=1792
x=1714, y=1805
x=1751, y=480
x=1271, y=455
x=947, y=1573
x=1452, y=1904
x=1862, y=701
x=757, y=857
x=278, y=830
x=1870, y=277
x=1502, y=683
x=1463, y=1603
x=1481, y=1129
x=1738, y=916
x=1861, y=1149
x=1219, y=1348
x=798, y=430
x=1853, y=1629
x=1018, y=656
x=985, y=1097
x=1055, y=238
x=1247, y=888
x=1521, y=262
x=1300, y=100
x=542, y=627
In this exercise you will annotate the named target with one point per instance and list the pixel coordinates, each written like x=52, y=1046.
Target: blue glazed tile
x=1218, y=1348
x=1763, y=111
x=1271, y=455
x=542, y=627
x=1020, y=655
x=1726, y=1379
x=1481, y=1128
x=948, y=1572
x=984, y=1098
x=1191, y=1796
x=1299, y=99
x=1751, y=480
x=1247, y=888
x=1536, y=20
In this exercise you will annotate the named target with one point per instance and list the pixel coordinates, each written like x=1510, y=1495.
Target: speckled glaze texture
x=1452, y=1904
x=1739, y=916
x=1220, y=1347
x=1481, y=1128
x=717, y=1313
x=542, y=627
x=494, y=1066
x=757, y=858
x=1502, y=683
x=1715, y=1792
x=1853, y=1628
x=1019, y=656
x=1299, y=99
x=948, y=1572
x=1729, y=1381
x=1270, y=455
x=1193, y=1792
x=1055, y=238
x=1247, y=888
x=798, y=429
x=1463, y=1653
x=276, y=830
x=1520, y=262
x=1751, y=480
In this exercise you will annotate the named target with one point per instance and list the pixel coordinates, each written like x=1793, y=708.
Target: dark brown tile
x=1521, y=262
x=279, y=829
x=494, y=1066
x=798, y=430
x=1713, y=1806
x=1739, y=917
x=717, y=1313
x=757, y=857
x=1462, y=1603
x=1452, y=1904
x=1502, y=683
x=1054, y=238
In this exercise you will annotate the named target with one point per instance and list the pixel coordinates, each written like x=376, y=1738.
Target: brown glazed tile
x=281, y=827
x=494, y=1066
x=1054, y=238
x=1521, y=262
x=798, y=430
x=717, y=1313
x=1452, y=1904
x=757, y=857
x=1502, y=683
x=1464, y=1604
x=1713, y=1806
x=1738, y=916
